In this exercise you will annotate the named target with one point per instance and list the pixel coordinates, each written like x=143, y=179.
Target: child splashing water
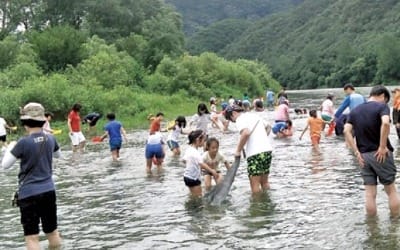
x=194, y=164
x=213, y=159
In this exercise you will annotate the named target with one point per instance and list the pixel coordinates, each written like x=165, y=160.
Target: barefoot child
x=114, y=131
x=213, y=159
x=194, y=164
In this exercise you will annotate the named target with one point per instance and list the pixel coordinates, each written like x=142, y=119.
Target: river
x=316, y=201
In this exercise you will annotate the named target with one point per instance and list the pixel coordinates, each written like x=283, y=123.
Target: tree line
x=124, y=56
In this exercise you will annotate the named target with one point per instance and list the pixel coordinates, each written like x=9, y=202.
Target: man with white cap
x=36, y=196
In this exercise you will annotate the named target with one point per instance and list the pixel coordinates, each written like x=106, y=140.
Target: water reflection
x=382, y=235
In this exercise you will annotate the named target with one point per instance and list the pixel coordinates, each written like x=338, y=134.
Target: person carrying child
x=213, y=158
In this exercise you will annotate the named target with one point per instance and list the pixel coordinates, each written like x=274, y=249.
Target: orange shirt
x=396, y=100
x=316, y=125
x=155, y=125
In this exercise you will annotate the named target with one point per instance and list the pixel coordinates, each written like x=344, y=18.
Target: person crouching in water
x=173, y=137
x=283, y=129
x=194, y=163
x=213, y=158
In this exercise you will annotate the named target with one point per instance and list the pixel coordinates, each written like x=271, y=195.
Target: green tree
x=57, y=47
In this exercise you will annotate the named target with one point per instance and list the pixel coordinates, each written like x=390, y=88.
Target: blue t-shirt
x=351, y=101
x=39, y=179
x=278, y=127
x=270, y=96
x=114, y=131
x=366, y=121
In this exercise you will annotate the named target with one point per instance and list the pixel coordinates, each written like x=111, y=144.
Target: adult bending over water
x=371, y=124
x=258, y=150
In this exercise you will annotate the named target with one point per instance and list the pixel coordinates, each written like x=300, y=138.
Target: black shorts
x=39, y=208
x=191, y=183
x=3, y=138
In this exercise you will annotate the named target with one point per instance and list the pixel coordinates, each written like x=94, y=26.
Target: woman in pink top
x=282, y=112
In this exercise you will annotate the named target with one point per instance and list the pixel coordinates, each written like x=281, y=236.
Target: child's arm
x=123, y=132
x=227, y=165
x=304, y=130
x=210, y=170
x=104, y=135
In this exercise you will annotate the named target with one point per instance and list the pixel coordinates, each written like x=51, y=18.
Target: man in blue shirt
x=351, y=101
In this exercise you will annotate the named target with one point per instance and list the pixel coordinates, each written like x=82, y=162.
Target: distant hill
x=198, y=14
x=327, y=43
x=319, y=43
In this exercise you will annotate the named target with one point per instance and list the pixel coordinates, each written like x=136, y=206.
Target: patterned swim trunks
x=259, y=164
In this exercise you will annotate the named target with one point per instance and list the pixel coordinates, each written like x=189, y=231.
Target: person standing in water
x=173, y=137
x=370, y=123
x=253, y=138
x=213, y=158
x=74, y=125
x=316, y=125
x=115, y=131
x=194, y=163
x=36, y=192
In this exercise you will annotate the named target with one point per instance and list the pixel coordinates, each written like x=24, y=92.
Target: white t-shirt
x=192, y=158
x=327, y=108
x=258, y=141
x=155, y=138
x=174, y=135
x=3, y=127
x=202, y=121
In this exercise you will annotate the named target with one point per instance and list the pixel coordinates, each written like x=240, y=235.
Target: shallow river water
x=316, y=201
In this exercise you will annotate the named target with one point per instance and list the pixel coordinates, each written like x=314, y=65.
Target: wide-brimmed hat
x=32, y=111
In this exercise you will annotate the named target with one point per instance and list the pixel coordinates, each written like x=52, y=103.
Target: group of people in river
x=365, y=124
x=365, y=127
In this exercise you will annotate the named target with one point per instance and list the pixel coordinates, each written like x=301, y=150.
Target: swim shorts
x=373, y=170
x=259, y=164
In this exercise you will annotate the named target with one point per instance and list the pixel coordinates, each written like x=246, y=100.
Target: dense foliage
x=323, y=43
x=75, y=51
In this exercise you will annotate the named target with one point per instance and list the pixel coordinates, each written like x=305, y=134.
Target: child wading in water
x=316, y=126
x=213, y=159
x=180, y=123
x=114, y=131
x=194, y=164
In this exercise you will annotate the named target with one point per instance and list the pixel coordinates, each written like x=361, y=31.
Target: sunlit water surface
x=316, y=201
